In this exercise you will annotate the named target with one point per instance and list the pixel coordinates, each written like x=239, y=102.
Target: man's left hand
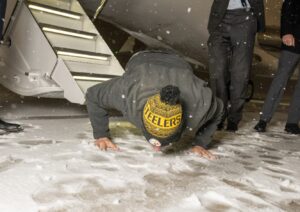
x=203, y=152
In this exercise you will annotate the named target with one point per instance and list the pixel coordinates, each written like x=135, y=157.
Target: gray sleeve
x=205, y=133
x=99, y=99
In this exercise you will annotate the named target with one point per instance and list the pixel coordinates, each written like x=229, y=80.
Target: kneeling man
x=160, y=95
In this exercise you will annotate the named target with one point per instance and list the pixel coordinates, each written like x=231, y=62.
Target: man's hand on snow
x=203, y=152
x=106, y=143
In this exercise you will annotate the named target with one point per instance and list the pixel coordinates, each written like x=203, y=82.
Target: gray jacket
x=218, y=11
x=146, y=73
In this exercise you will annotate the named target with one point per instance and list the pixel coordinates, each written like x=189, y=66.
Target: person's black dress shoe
x=231, y=126
x=292, y=128
x=9, y=127
x=261, y=126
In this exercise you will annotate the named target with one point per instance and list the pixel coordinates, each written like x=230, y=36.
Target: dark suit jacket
x=2, y=15
x=290, y=23
x=219, y=8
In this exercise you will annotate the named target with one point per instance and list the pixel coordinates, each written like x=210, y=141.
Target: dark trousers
x=230, y=52
x=2, y=16
x=286, y=67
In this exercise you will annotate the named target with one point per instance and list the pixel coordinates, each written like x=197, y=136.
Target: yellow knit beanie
x=160, y=118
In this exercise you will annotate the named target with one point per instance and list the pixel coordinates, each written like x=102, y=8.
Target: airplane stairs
x=54, y=51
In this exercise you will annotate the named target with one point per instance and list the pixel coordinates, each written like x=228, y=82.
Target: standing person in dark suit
x=4, y=126
x=232, y=26
x=289, y=58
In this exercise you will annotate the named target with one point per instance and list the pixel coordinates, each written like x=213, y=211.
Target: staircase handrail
x=99, y=9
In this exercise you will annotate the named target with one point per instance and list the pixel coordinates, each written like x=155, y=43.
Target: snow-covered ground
x=54, y=166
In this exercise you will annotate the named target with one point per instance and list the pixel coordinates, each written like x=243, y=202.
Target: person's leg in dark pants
x=219, y=54
x=286, y=67
x=242, y=35
x=287, y=64
x=294, y=110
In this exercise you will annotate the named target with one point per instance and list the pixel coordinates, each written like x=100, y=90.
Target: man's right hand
x=288, y=40
x=105, y=143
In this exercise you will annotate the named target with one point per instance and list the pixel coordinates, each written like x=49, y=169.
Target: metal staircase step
x=92, y=77
x=62, y=41
x=62, y=4
x=82, y=56
x=85, y=80
x=54, y=10
x=69, y=38
x=56, y=20
x=68, y=32
x=91, y=68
